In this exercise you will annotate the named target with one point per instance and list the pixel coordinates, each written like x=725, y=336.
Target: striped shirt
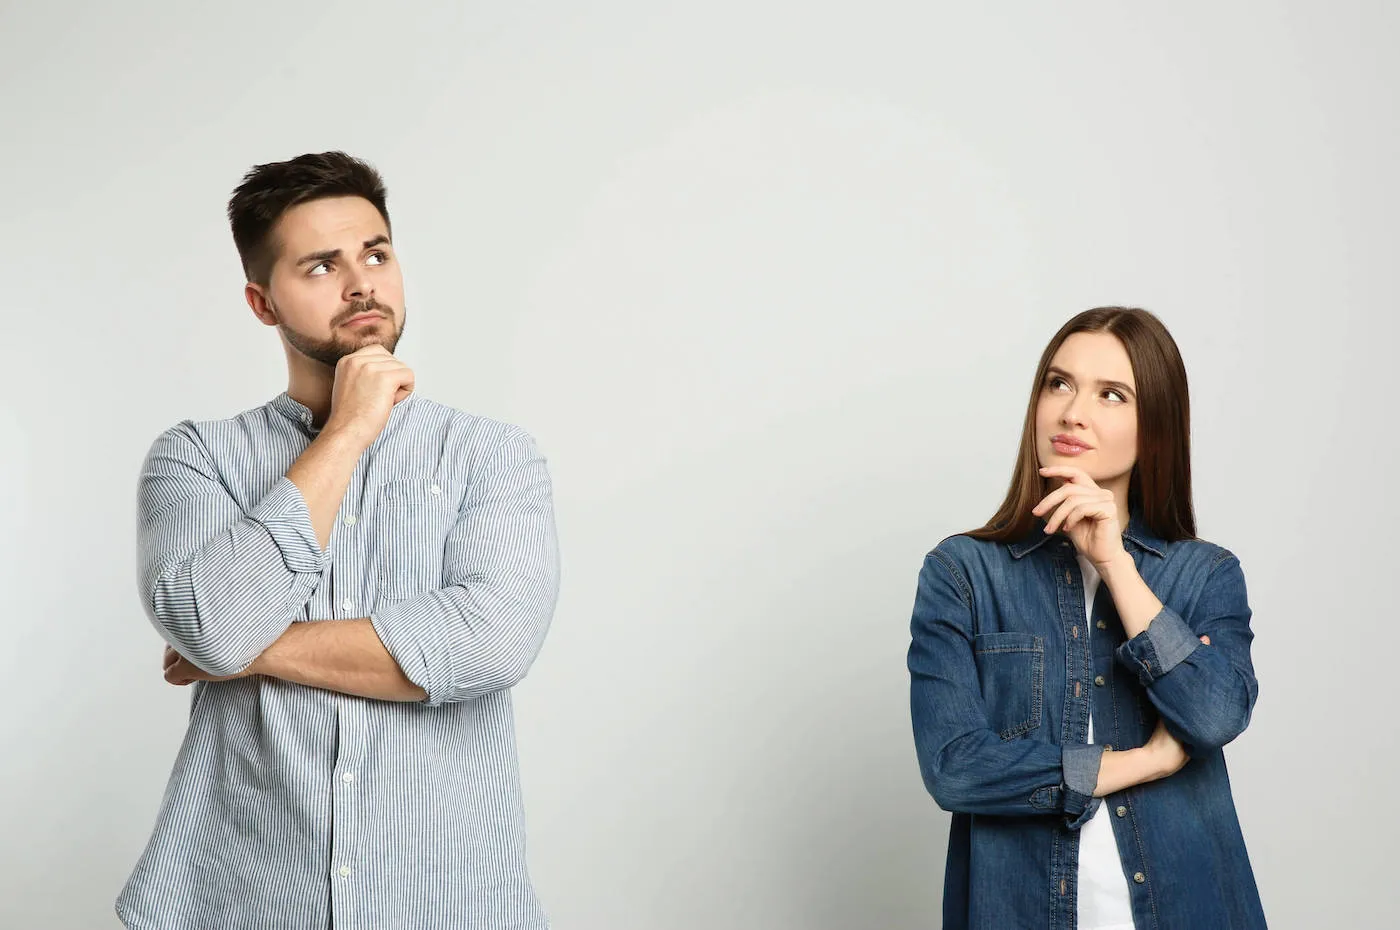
x=296, y=807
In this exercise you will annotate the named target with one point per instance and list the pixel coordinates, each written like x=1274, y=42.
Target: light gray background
x=768, y=282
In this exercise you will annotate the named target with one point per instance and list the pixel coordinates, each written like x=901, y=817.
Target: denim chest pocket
x=415, y=517
x=1011, y=671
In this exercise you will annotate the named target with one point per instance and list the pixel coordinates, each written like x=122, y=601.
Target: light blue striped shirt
x=295, y=807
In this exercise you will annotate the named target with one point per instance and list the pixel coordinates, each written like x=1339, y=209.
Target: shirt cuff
x=1081, y=764
x=1159, y=648
x=283, y=513
x=411, y=631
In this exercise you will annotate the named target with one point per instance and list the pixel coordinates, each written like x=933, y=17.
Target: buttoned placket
x=350, y=548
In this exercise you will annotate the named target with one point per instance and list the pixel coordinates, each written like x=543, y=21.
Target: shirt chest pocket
x=1011, y=671
x=415, y=516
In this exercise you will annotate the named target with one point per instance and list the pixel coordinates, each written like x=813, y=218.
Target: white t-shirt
x=1104, y=899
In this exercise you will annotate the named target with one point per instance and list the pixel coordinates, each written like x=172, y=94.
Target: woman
x=1078, y=663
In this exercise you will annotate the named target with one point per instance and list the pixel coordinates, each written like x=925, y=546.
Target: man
x=352, y=577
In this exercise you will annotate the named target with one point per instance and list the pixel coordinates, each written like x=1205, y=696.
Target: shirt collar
x=301, y=414
x=1138, y=533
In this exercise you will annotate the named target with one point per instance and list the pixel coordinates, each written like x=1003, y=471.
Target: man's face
x=336, y=285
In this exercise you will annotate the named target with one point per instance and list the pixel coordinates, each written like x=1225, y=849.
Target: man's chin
x=388, y=340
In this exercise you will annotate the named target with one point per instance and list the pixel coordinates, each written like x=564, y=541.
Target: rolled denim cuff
x=1160, y=648
x=1081, y=764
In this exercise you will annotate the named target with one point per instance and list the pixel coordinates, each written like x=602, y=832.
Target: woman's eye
x=1056, y=384
x=1115, y=396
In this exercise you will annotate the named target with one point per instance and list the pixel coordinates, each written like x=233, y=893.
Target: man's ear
x=261, y=304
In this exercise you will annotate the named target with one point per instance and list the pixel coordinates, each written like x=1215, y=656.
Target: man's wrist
x=265, y=664
x=344, y=438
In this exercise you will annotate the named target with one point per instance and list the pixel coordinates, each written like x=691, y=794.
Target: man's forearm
x=337, y=655
x=322, y=473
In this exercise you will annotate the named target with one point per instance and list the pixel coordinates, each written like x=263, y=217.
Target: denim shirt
x=1003, y=677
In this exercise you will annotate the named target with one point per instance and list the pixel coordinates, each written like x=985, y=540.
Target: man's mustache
x=364, y=306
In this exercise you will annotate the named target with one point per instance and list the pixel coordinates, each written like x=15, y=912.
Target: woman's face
x=1086, y=414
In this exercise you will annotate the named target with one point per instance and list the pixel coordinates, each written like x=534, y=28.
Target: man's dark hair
x=270, y=190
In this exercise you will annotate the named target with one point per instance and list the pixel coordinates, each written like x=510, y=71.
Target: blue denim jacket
x=1003, y=677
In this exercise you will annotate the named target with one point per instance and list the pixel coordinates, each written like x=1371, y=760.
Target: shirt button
x=1068, y=579
x=348, y=777
x=1098, y=680
x=1139, y=877
x=347, y=604
x=435, y=489
x=345, y=871
x=350, y=519
x=1121, y=811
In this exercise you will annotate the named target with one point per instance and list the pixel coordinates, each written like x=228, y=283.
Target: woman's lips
x=1068, y=445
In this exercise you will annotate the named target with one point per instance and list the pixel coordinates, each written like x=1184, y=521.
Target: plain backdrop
x=768, y=282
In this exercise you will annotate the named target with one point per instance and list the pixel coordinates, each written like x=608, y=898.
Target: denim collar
x=1137, y=533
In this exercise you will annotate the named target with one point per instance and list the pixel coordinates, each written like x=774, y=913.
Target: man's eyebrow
x=329, y=254
x=322, y=256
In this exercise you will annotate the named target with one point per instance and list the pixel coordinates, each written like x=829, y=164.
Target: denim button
x=1101, y=625
x=1122, y=811
x=1139, y=877
x=1098, y=680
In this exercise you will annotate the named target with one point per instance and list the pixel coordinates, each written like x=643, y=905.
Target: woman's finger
x=1070, y=474
x=1074, y=496
x=1058, y=518
x=1089, y=509
x=1052, y=500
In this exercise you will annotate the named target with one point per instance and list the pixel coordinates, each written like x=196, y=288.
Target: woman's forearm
x=1125, y=768
x=1136, y=604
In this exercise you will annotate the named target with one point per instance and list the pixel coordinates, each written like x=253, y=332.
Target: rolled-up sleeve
x=482, y=631
x=966, y=765
x=1206, y=694
x=220, y=585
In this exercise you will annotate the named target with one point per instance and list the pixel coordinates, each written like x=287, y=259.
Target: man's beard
x=330, y=351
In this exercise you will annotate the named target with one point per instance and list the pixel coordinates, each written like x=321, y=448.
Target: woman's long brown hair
x=1160, y=486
